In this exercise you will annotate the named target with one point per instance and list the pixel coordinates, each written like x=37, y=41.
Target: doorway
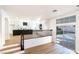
x=66, y=36
x=6, y=30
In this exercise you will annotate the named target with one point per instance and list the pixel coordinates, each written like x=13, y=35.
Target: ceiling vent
x=54, y=10
x=77, y=5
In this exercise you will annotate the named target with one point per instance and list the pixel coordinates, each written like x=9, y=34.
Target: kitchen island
x=31, y=38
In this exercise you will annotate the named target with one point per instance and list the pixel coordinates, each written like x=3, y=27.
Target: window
x=69, y=19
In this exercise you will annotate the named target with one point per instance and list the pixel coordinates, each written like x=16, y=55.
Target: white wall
x=12, y=21
x=5, y=19
x=32, y=24
x=0, y=30
x=77, y=33
x=3, y=29
x=52, y=25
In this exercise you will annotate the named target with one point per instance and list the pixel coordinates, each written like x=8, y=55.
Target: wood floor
x=49, y=48
x=13, y=40
x=16, y=39
x=11, y=49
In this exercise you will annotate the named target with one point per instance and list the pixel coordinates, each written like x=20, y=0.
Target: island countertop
x=33, y=33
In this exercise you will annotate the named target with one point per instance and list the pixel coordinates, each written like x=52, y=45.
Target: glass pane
x=69, y=19
x=69, y=36
x=66, y=36
x=59, y=34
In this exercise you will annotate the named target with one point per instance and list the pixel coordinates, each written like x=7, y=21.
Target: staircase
x=11, y=49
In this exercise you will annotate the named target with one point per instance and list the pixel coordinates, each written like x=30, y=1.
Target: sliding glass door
x=66, y=36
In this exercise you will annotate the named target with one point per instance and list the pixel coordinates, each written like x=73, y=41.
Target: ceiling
x=44, y=11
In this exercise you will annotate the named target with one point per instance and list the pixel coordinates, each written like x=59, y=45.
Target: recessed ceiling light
x=54, y=10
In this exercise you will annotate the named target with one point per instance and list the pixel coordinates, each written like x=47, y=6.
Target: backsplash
x=31, y=24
